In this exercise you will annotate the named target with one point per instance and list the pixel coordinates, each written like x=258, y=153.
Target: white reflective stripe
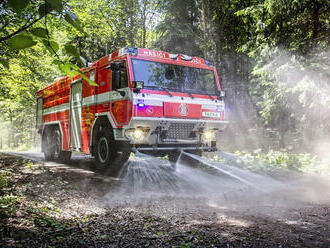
x=210, y=106
x=150, y=102
x=157, y=100
x=90, y=100
x=167, y=98
x=104, y=97
x=149, y=99
x=96, y=99
x=176, y=120
x=55, y=109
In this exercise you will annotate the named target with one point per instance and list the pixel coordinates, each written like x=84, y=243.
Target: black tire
x=53, y=146
x=57, y=144
x=173, y=156
x=47, y=145
x=60, y=155
x=110, y=155
x=65, y=157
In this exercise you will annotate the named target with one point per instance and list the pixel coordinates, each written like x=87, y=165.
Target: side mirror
x=137, y=86
x=222, y=95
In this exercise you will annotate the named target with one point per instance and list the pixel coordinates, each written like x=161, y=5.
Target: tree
x=51, y=48
x=177, y=30
x=290, y=81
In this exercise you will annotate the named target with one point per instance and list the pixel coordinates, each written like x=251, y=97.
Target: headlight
x=208, y=135
x=137, y=134
x=220, y=108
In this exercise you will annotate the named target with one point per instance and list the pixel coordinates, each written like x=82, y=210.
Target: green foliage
x=289, y=42
x=18, y=5
x=72, y=50
x=177, y=31
x=51, y=46
x=21, y=41
x=56, y=5
x=3, y=179
x=29, y=165
x=298, y=162
x=49, y=7
x=8, y=204
x=73, y=20
x=39, y=32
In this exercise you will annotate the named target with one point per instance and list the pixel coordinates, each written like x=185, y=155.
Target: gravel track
x=152, y=206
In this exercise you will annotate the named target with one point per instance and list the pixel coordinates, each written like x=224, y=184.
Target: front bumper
x=175, y=131
x=173, y=148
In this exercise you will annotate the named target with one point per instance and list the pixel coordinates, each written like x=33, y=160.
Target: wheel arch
x=100, y=121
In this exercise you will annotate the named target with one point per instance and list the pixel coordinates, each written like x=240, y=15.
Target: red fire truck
x=145, y=100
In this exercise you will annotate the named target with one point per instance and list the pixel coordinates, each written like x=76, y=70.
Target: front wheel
x=110, y=155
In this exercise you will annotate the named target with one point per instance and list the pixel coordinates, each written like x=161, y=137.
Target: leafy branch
x=20, y=29
x=26, y=37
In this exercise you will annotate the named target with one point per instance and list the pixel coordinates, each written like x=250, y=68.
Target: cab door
x=120, y=94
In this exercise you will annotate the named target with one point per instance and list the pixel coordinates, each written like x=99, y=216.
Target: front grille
x=180, y=131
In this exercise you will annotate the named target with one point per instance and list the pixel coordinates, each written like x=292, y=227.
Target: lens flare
x=209, y=135
x=138, y=134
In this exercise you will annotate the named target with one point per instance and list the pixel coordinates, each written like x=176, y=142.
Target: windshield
x=157, y=75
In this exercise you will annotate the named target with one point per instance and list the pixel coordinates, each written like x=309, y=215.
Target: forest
x=266, y=186
x=272, y=58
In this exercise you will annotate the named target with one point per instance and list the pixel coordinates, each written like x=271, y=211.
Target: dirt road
x=152, y=206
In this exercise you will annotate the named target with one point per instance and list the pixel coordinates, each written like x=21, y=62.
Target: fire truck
x=145, y=100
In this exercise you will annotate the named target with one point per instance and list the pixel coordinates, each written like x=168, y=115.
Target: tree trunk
x=131, y=24
x=144, y=20
x=315, y=14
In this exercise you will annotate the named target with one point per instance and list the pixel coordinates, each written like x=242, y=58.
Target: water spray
x=228, y=173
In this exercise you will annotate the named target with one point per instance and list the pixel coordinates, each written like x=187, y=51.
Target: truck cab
x=176, y=101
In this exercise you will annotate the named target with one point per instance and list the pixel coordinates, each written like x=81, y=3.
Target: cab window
x=119, y=77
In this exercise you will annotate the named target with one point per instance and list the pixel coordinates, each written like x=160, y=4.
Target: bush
x=303, y=162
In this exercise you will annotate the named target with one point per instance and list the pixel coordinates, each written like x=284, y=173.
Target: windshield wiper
x=160, y=87
x=167, y=91
x=201, y=93
x=209, y=96
x=192, y=97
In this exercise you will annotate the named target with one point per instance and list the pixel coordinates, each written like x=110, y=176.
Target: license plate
x=211, y=114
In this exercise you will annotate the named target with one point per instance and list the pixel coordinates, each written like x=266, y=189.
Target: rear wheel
x=109, y=154
x=59, y=154
x=47, y=145
x=52, y=146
